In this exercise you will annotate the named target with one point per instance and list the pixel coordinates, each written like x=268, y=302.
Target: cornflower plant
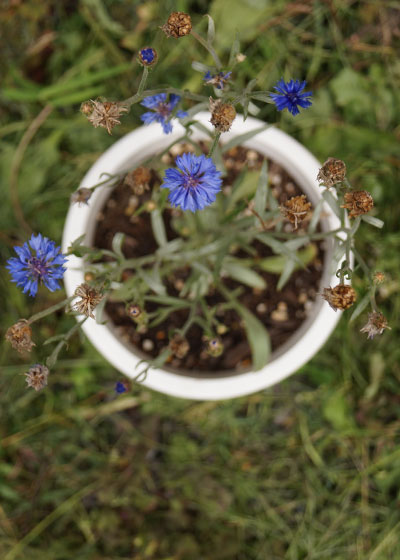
x=215, y=230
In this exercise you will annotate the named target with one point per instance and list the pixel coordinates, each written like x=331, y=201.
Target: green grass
x=309, y=469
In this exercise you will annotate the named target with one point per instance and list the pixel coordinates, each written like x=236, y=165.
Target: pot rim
x=130, y=151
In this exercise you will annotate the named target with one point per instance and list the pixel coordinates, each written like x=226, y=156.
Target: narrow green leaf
x=276, y=264
x=332, y=201
x=243, y=274
x=360, y=307
x=157, y=224
x=287, y=271
x=211, y=30
x=376, y=222
x=243, y=138
x=312, y=226
x=117, y=242
x=235, y=50
x=258, y=338
x=153, y=280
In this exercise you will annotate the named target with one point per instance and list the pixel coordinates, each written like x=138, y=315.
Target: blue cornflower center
x=147, y=55
x=163, y=109
x=190, y=182
x=38, y=266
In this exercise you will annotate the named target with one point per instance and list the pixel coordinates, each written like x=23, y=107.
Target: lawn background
x=309, y=469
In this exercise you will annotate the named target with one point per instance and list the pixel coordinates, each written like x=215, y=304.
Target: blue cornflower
x=42, y=261
x=148, y=56
x=291, y=96
x=217, y=80
x=120, y=387
x=162, y=110
x=194, y=184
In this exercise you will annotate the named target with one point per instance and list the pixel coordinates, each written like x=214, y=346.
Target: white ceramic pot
x=129, y=152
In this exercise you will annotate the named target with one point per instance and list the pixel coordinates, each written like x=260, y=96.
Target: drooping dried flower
x=341, y=296
x=90, y=298
x=179, y=346
x=81, y=196
x=222, y=115
x=215, y=347
x=147, y=56
x=358, y=203
x=296, y=209
x=217, y=80
x=333, y=171
x=138, y=180
x=178, y=25
x=106, y=114
x=376, y=324
x=37, y=376
x=19, y=336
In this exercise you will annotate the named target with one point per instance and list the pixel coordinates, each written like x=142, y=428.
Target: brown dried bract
x=90, y=298
x=178, y=25
x=333, y=171
x=358, y=203
x=19, y=336
x=341, y=296
x=138, y=180
x=81, y=196
x=106, y=114
x=222, y=115
x=37, y=376
x=376, y=324
x=296, y=209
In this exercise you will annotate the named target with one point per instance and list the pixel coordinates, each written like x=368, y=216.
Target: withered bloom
x=138, y=180
x=333, y=171
x=178, y=25
x=296, y=209
x=106, y=114
x=222, y=115
x=19, y=336
x=358, y=203
x=376, y=324
x=90, y=298
x=179, y=346
x=37, y=377
x=81, y=196
x=379, y=277
x=341, y=296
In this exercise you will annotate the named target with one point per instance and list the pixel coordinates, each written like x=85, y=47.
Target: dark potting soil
x=282, y=312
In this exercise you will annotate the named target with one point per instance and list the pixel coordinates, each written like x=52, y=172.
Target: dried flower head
x=341, y=296
x=222, y=115
x=376, y=324
x=178, y=25
x=217, y=80
x=90, y=298
x=333, y=171
x=358, y=203
x=296, y=209
x=19, y=336
x=215, y=347
x=81, y=196
x=138, y=180
x=86, y=108
x=106, y=114
x=147, y=56
x=379, y=277
x=37, y=376
x=179, y=346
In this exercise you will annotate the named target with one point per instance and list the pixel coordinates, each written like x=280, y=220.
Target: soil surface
x=282, y=312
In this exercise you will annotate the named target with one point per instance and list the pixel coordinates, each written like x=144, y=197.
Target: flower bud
x=178, y=25
x=341, y=296
x=147, y=56
x=333, y=171
x=215, y=347
x=81, y=196
x=379, y=277
x=179, y=346
x=106, y=114
x=358, y=203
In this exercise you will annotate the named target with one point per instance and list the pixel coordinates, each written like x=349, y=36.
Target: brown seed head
x=19, y=336
x=138, y=180
x=106, y=114
x=296, y=209
x=178, y=25
x=222, y=115
x=376, y=324
x=37, y=377
x=90, y=298
x=341, y=296
x=379, y=277
x=81, y=196
x=179, y=346
x=358, y=203
x=215, y=347
x=87, y=108
x=333, y=171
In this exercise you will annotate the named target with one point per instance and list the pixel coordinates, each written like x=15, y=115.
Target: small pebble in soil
x=147, y=345
x=280, y=314
x=261, y=308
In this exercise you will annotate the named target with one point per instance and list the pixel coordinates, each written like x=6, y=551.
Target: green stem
x=183, y=93
x=372, y=299
x=49, y=310
x=209, y=48
x=143, y=81
x=52, y=359
x=214, y=144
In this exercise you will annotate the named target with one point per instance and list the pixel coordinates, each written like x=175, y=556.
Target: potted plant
x=223, y=233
